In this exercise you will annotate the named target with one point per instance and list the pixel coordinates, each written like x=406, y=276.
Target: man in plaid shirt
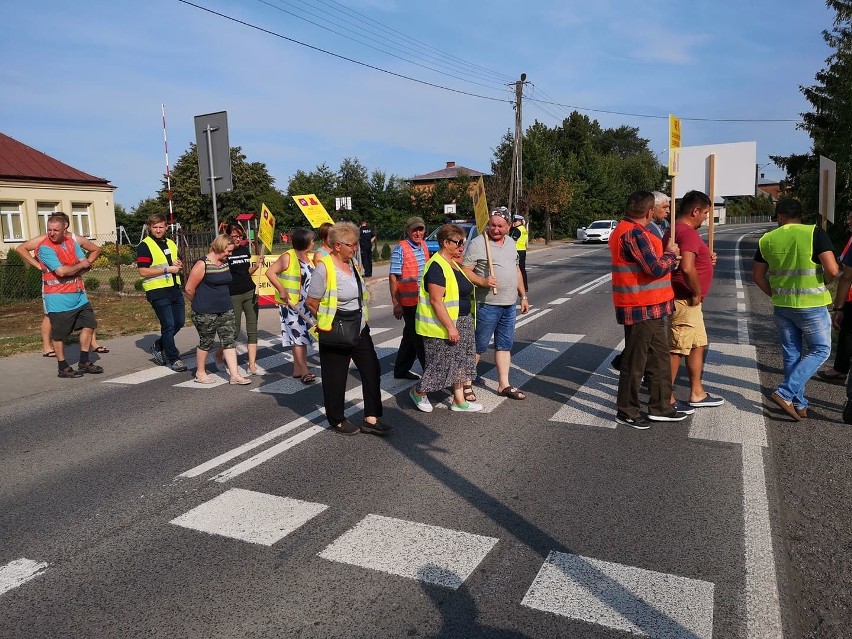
x=643, y=296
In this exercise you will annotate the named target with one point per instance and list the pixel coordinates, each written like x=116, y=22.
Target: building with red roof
x=34, y=185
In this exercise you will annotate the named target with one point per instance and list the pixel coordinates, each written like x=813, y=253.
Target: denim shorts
x=496, y=321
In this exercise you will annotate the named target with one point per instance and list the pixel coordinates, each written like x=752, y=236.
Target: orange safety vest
x=408, y=283
x=67, y=254
x=631, y=286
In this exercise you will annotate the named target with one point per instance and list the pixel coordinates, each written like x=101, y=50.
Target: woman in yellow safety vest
x=290, y=276
x=339, y=294
x=445, y=318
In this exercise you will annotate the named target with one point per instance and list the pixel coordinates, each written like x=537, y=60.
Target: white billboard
x=827, y=186
x=734, y=169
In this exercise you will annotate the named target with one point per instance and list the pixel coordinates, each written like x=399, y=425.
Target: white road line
x=742, y=320
x=427, y=553
x=594, y=402
x=388, y=383
x=531, y=316
x=590, y=285
x=634, y=600
x=559, y=300
x=250, y=516
x=19, y=572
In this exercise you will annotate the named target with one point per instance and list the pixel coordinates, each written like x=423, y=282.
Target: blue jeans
x=496, y=321
x=171, y=313
x=798, y=326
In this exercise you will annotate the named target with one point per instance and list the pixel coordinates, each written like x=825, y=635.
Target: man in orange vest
x=643, y=297
x=65, y=297
x=406, y=267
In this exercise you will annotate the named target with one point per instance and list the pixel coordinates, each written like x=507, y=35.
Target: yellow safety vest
x=291, y=280
x=328, y=303
x=426, y=322
x=521, y=242
x=159, y=262
x=795, y=280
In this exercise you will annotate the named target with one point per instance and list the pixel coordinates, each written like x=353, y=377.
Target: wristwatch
x=524, y=297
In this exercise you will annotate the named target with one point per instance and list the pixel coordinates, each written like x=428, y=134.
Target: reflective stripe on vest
x=408, y=283
x=426, y=322
x=291, y=280
x=159, y=262
x=521, y=242
x=328, y=303
x=66, y=252
x=796, y=281
x=631, y=286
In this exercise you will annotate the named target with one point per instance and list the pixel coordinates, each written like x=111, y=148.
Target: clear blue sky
x=83, y=81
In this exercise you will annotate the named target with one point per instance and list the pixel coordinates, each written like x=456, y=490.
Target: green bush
x=137, y=285
x=92, y=283
x=20, y=280
x=126, y=254
x=386, y=252
x=116, y=283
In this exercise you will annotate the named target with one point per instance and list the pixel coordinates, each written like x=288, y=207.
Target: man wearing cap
x=366, y=242
x=520, y=234
x=787, y=268
x=495, y=308
x=406, y=267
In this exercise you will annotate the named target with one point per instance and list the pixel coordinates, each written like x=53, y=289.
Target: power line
x=536, y=101
x=342, y=57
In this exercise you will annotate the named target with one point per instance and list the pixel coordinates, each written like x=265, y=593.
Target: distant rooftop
x=21, y=162
x=448, y=172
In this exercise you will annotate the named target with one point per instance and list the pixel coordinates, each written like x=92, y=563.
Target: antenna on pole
x=516, y=186
x=168, y=172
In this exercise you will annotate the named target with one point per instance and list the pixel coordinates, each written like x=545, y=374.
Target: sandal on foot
x=512, y=393
x=100, y=349
x=240, y=381
x=49, y=354
x=207, y=379
x=308, y=379
x=469, y=395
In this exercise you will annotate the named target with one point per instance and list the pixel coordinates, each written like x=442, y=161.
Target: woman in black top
x=242, y=290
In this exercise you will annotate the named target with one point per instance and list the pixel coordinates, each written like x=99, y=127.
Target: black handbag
x=346, y=326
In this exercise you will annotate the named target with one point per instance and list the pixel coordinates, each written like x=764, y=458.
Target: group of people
x=660, y=278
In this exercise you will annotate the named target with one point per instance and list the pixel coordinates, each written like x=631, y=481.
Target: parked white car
x=597, y=231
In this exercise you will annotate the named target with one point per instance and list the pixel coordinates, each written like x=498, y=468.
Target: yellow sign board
x=674, y=145
x=312, y=209
x=266, y=231
x=480, y=205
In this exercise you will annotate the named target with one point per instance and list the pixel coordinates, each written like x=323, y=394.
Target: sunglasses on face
x=352, y=246
x=458, y=243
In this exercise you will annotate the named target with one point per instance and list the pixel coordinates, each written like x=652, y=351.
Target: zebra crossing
x=605, y=593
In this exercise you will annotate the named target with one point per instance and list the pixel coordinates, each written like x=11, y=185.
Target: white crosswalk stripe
x=18, y=572
x=594, y=403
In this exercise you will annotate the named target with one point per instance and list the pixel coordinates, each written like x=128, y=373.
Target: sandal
x=239, y=381
x=100, y=349
x=512, y=393
x=469, y=395
x=49, y=354
x=207, y=379
x=308, y=379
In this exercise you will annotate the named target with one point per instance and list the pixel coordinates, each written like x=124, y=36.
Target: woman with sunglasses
x=445, y=319
x=338, y=291
x=242, y=290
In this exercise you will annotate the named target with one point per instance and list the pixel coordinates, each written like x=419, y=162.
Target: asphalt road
x=141, y=504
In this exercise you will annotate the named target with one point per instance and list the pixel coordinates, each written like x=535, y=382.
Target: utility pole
x=516, y=184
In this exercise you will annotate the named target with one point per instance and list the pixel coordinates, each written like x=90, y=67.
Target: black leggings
x=334, y=368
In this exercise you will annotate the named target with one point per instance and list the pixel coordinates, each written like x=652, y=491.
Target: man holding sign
x=495, y=256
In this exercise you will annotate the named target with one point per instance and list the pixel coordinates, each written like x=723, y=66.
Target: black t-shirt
x=435, y=275
x=239, y=264
x=366, y=238
x=821, y=244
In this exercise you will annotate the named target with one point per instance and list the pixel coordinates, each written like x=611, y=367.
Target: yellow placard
x=480, y=205
x=266, y=230
x=312, y=209
x=265, y=290
x=674, y=145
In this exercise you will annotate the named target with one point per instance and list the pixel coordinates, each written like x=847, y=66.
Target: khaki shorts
x=687, y=328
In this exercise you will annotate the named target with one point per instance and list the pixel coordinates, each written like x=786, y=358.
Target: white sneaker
x=260, y=371
x=421, y=401
x=467, y=407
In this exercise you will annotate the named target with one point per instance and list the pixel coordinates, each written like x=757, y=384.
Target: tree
x=829, y=124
